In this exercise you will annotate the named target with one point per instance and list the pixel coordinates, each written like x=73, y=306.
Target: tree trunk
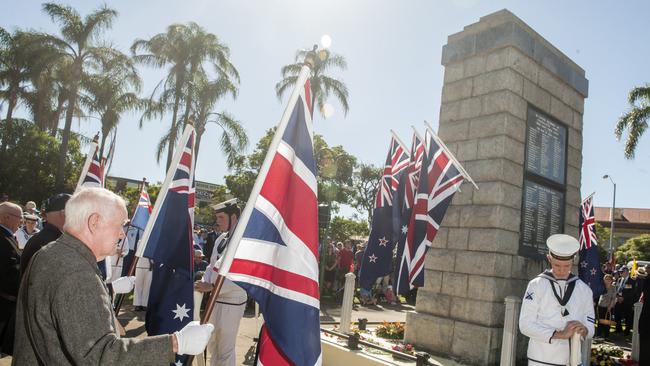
x=65, y=139
x=101, y=146
x=172, y=134
x=8, y=131
x=197, y=144
x=54, y=122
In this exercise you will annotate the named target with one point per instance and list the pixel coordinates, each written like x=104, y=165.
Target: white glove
x=123, y=285
x=193, y=338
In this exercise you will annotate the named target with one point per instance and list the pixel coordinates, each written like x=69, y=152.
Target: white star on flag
x=383, y=242
x=178, y=363
x=404, y=229
x=181, y=312
x=373, y=258
x=593, y=271
x=583, y=264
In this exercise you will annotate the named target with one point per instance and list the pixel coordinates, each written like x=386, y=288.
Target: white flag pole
x=451, y=156
x=415, y=131
x=89, y=159
x=406, y=149
x=165, y=187
x=237, y=234
x=588, y=197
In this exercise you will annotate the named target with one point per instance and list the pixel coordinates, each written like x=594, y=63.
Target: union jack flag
x=167, y=240
x=412, y=183
x=589, y=269
x=439, y=181
x=142, y=210
x=276, y=260
x=386, y=217
x=92, y=171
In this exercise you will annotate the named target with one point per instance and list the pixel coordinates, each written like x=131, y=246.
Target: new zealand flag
x=167, y=240
x=589, y=269
x=386, y=217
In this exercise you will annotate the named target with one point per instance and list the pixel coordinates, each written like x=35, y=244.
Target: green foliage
x=635, y=121
x=341, y=228
x=602, y=233
x=390, y=330
x=32, y=163
x=334, y=176
x=132, y=195
x=364, y=183
x=635, y=248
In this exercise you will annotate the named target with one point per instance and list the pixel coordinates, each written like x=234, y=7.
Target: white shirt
x=542, y=315
x=22, y=237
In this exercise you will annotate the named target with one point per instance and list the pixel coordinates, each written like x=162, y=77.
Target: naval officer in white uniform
x=231, y=303
x=556, y=305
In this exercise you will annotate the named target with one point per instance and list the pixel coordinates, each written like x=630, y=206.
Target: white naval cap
x=226, y=206
x=562, y=246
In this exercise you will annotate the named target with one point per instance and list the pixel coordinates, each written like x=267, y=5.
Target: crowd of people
x=71, y=319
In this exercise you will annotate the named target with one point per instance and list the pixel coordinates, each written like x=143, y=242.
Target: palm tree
x=111, y=92
x=163, y=49
x=185, y=48
x=322, y=85
x=206, y=94
x=14, y=74
x=636, y=120
x=77, y=41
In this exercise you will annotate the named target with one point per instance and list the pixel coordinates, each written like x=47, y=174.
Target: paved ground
x=133, y=323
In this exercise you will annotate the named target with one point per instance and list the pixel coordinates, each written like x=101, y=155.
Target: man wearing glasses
x=10, y=218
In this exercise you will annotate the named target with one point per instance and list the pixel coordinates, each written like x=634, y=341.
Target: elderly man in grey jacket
x=64, y=313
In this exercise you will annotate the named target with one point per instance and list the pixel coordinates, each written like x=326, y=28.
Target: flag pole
x=451, y=156
x=237, y=234
x=164, y=188
x=418, y=135
x=89, y=159
x=399, y=141
x=588, y=197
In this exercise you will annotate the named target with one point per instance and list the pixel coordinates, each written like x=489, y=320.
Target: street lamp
x=611, y=215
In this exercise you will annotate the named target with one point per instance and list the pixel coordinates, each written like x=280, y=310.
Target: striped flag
x=92, y=172
x=412, y=182
x=589, y=269
x=386, y=217
x=273, y=252
x=167, y=240
x=440, y=178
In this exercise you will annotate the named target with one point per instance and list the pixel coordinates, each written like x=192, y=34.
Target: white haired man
x=10, y=217
x=556, y=305
x=64, y=313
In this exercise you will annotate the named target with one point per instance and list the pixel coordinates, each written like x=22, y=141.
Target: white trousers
x=142, y=285
x=221, y=347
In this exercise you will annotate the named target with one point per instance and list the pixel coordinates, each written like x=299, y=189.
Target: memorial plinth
x=511, y=112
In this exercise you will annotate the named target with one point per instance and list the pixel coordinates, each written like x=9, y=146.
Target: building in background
x=628, y=222
x=204, y=190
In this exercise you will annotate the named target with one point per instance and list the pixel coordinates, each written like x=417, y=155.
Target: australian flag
x=386, y=217
x=412, y=182
x=137, y=226
x=439, y=181
x=589, y=269
x=276, y=260
x=167, y=240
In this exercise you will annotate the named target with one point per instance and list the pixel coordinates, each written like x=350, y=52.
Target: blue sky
x=393, y=49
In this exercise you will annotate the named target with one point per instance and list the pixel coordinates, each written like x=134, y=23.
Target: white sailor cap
x=562, y=246
x=228, y=206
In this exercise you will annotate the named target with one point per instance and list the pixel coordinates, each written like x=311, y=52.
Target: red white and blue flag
x=274, y=248
x=167, y=240
x=386, y=216
x=92, y=171
x=136, y=228
x=440, y=178
x=589, y=269
x=412, y=182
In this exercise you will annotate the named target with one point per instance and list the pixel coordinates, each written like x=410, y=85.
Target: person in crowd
x=346, y=260
x=54, y=215
x=30, y=209
x=606, y=304
x=10, y=217
x=200, y=264
x=64, y=312
x=210, y=238
x=231, y=303
x=27, y=230
x=626, y=297
x=330, y=262
x=358, y=258
x=644, y=324
x=556, y=305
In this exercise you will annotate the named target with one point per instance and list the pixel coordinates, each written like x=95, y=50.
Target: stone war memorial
x=511, y=111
